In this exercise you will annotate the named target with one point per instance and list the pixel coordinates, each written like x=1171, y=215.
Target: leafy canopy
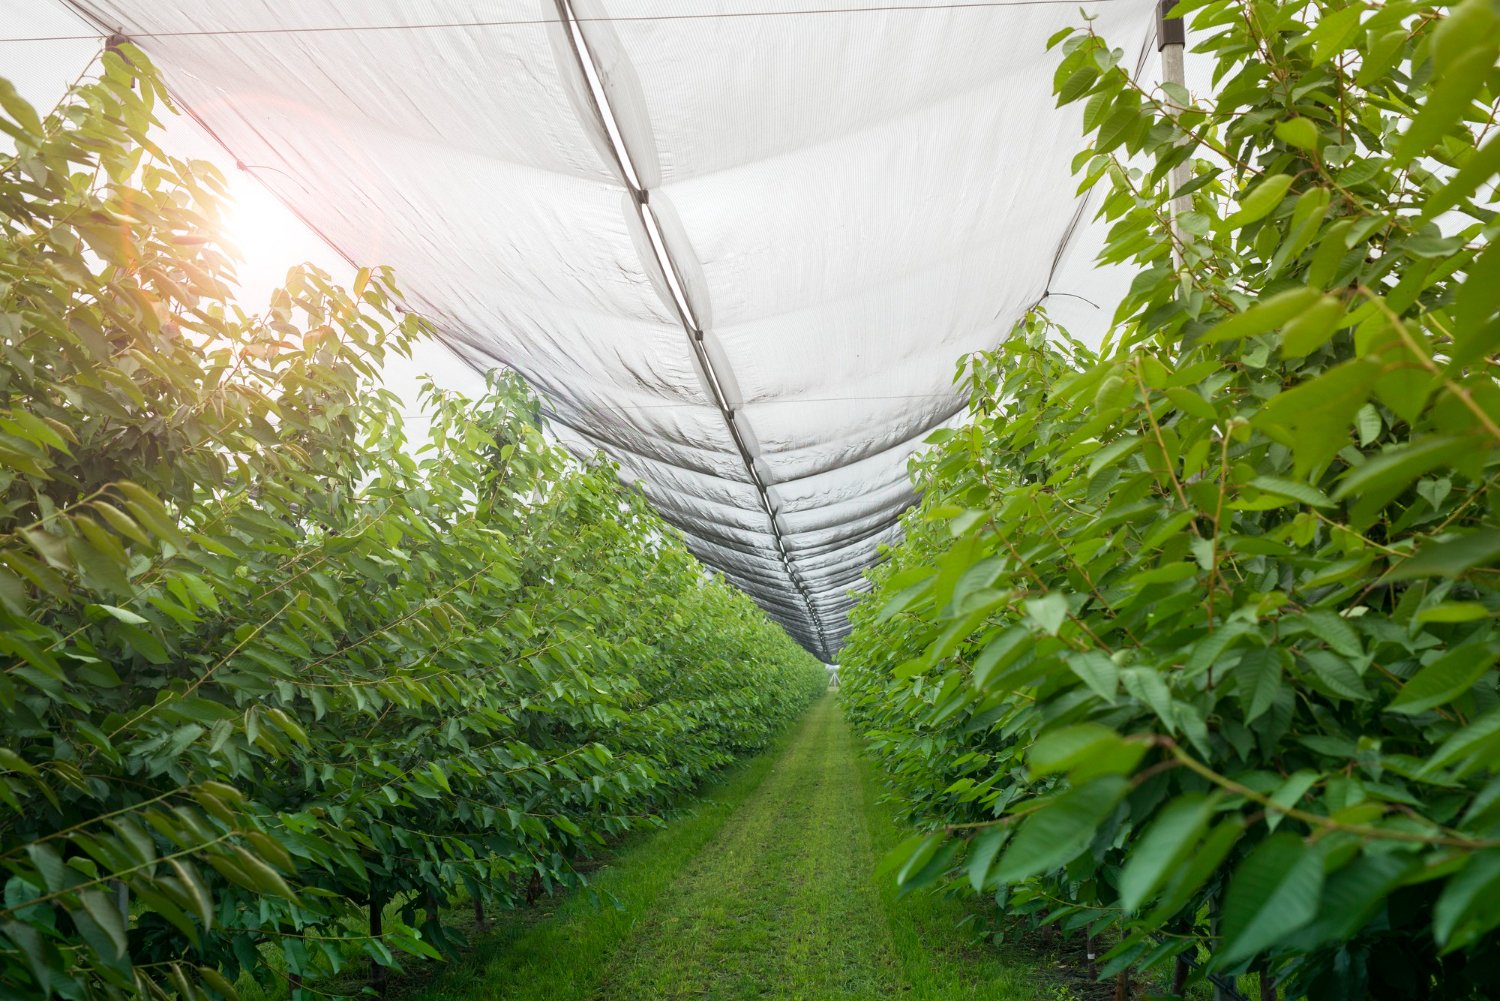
x=1192, y=641
x=263, y=668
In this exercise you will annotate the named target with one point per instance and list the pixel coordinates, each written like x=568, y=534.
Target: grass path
x=781, y=904
x=766, y=892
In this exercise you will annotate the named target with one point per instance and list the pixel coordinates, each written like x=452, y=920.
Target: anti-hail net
x=738, y=244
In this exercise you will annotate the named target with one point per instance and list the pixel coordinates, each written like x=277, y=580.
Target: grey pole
x=1171, y=39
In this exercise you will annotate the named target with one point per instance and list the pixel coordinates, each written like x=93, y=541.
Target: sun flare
x=267, y=237
x=257, y=225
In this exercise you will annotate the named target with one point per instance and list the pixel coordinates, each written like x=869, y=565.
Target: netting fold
x=737, y=244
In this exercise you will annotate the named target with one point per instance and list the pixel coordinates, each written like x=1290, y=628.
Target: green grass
x=553, y=953
x=765, y=891
x=942, y=960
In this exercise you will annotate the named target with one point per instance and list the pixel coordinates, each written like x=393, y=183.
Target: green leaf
x=1098, y=671
x=1481, y=167
x=1311, y=329
x=1333, y=630
x=1113, y=453
x=1477, y=737
x=1061, y=829
x=1333, y=248
x=150, y=513
x=1272, y=894
x=1077, y=85
x=19, y=109
x=1266, y=315
x=1287, y=795
x=1351, y=896
x=246, y=869
x=905, y=855
x=1202, y=864
x=1298, y=132
x=1258, y=678
x=1453, y=611
x=982, y=852
x=1445, y=679
x=218, y=982
x=1163, y=847
x=1468, y=907
x=1084, y=750
x=1368, y=422
x=1458, y=81
x=1189, y=402
x=124, y=615
x=105, y=913
x=1259, y=201
x=1336, y=674
x=1314, y=418
x=1001, y=652
x=1375, y=483
x=1211, y=649
x=1049, y=612
x=907, y=597
x=1452, y=557
x=1297, y=491
x=912, y=855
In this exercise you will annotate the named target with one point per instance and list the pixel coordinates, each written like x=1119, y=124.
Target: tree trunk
x=479, y=914
x=1180, y=975
x=1267, y=984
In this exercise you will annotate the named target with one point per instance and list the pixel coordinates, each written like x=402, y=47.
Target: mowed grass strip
x=936, y=947
x=782, y=904
x=766, y=891
x=563, y=952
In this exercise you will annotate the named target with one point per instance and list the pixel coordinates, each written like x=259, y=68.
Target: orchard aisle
x=782, y=903
x=765, y=891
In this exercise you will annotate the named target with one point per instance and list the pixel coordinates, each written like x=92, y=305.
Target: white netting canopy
x=737, y=244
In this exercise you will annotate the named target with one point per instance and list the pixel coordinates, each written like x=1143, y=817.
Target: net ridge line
x=662, y=252
x=621, y=18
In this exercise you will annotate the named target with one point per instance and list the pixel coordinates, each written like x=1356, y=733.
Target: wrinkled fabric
x=850, y=201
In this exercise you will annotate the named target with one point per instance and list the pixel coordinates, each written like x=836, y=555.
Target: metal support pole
x=1171, y=40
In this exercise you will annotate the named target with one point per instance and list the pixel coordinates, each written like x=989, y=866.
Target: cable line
x=616, y=19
